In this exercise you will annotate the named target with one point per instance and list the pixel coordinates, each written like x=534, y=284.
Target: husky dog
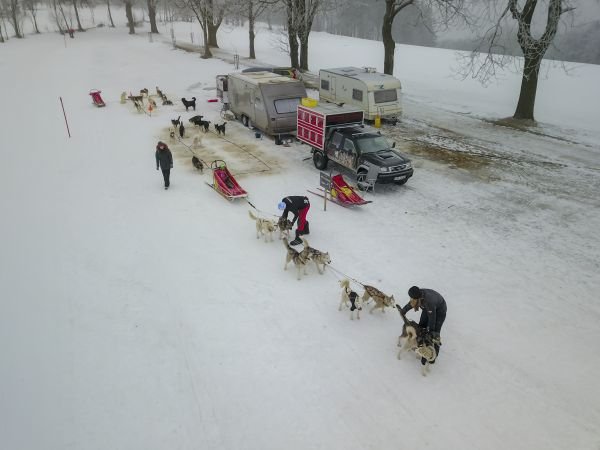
x=321, y=259
x=152, y=102
x=144, y=92
x=220, y=128
x=265, y=227
x=381, y=300
x=417, y=339
x=159, y=92
x=349, y=299
x=197, y=163
x=181, y=130
x=285, y=226
x=197, y=143
x=176, y=122
x=189, y=103
x=293, y=255
x=123, y=97
x=196, y=120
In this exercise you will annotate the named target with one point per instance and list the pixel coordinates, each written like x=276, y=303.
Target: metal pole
x=65, y=114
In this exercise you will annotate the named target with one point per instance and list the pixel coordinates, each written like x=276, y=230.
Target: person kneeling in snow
x=298, y=206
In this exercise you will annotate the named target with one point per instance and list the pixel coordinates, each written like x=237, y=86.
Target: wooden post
x=65, y=114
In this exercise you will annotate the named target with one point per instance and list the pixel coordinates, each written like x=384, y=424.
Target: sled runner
x=96, y=98
x=342, y=193
x=224, y=183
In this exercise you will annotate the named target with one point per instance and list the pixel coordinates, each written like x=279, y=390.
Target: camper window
x=325, y=84
x=286, y=105
x=388, y=95
x=357, y=94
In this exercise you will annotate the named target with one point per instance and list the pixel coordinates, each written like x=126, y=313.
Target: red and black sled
x=342, y=193
x=224, y=183
x=97, y=98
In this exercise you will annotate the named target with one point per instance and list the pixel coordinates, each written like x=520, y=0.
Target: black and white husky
x=417, y=339
x=350, y=299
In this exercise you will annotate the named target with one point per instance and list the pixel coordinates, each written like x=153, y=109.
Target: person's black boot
x=297, y=240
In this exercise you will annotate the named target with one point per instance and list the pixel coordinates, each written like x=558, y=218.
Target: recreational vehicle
x=265, y=100
x=375, y=93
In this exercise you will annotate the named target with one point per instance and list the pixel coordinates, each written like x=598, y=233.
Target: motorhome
x=375, y=93
x=265, y=100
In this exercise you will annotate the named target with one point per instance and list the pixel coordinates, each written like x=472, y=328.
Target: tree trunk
x=79, y=27
x=304, y=53
x=152, y=16
x=529, y=82
x=129, y=14
x=1, y=37
x=251, y=34
x=292, y=39
x=112, y=24
x=212, y=34
x=207, y=53
x=14, y=8
x=389, y=45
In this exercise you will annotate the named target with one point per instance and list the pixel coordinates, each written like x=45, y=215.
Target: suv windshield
x=372, y=144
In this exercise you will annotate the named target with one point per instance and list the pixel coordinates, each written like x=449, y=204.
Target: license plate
x=399, y=178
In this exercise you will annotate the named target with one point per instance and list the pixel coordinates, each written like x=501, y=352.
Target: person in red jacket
x=297, y=205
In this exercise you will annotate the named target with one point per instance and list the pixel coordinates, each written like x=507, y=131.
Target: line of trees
x=534, y=24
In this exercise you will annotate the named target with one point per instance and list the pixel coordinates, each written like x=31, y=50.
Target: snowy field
x=136, y=318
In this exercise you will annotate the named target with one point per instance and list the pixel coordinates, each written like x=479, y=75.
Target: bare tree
x=112, y=23
x=32, y=7
x=300, y=15
x=129, y=14
x=253, y=10
x=200, y=9
x=79, y=27
x=152, y=16
x=491, y=49
x=447, y=10
x=14, y=12
x=215, y=13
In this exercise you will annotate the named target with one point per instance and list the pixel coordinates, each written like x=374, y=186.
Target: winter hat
x=414, y=292
x=281, y=206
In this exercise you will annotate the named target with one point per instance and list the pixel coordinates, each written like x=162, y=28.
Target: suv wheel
x=244, y=120
x=320, y=160
x=361, y=177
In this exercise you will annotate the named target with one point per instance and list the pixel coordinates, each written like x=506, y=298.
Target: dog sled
x=97, y=98
x=224, y=183
x=342, y=193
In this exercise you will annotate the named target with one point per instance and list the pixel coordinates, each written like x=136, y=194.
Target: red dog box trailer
x=314, y=122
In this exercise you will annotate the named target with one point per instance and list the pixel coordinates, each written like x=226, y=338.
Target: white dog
x=350, y=299
x=264, y=227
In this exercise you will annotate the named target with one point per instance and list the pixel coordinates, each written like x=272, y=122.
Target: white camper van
x=375, y=93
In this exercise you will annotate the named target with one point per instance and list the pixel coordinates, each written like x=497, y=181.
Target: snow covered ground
x=138, y=318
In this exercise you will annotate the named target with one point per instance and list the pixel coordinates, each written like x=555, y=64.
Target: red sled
x=224, y=183
x=96, y=98
x=342, y=193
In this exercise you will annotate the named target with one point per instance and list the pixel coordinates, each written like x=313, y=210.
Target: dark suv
x=366, y=154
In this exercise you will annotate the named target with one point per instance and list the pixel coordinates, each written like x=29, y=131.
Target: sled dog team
x=422, y=338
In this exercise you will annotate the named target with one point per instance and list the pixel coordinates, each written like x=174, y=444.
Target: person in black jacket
x=164, y=159
x=298, y=206
x=433, y=313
